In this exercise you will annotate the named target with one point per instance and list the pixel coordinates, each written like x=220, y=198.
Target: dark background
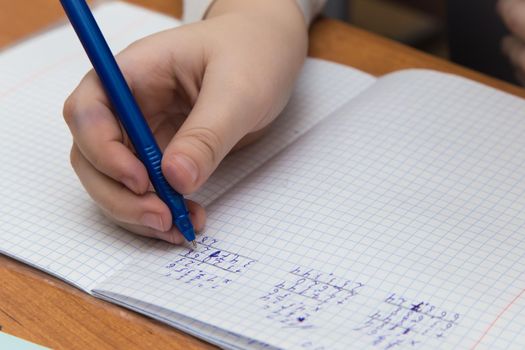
x=467, y=32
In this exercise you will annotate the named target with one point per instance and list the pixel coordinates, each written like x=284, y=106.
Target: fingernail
x=153, y=221
x=184, y=163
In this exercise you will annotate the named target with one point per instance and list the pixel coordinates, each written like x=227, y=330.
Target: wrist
x=277, y=8
x=281, y=16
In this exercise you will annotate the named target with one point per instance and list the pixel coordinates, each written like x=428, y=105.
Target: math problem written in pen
x=298, y=300
x=208, y=266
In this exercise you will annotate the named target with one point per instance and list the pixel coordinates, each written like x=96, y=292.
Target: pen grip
x=164, y=190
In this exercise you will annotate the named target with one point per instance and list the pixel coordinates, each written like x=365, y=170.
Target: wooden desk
x=42, y=309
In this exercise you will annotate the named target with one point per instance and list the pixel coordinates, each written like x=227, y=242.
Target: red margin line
x=491, y=325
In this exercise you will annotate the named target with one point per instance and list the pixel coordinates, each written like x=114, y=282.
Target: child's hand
x=203, y=88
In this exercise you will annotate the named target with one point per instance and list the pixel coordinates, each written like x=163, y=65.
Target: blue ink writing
x=295, y=301
x=208, y=266
x=398, y=323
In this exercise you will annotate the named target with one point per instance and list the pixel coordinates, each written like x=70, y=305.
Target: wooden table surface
x=40, y=308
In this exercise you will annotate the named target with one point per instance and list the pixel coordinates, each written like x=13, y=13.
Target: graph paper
x=375, y=214
x=395, y=223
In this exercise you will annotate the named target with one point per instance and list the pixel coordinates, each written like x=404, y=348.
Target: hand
x=204, y=88
x=513, y=14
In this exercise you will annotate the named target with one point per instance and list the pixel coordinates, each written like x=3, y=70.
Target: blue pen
x=127, y=110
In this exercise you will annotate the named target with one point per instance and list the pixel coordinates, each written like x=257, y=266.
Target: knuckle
x=68, y=109
x=75, y=115
x=71, y=104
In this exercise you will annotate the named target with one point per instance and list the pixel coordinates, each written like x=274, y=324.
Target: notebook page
x=398, y=222
x=46, y=218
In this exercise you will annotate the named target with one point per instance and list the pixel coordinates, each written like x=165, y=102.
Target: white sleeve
x=194, y=10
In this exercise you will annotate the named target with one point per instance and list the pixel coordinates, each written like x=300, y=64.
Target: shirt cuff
x=194, y=10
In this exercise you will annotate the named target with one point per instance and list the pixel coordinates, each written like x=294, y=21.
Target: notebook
x=376, y=213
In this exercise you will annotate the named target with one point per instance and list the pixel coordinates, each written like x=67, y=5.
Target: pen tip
x=194, y=244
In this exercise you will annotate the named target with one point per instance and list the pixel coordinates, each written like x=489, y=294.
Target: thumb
x=217, y=122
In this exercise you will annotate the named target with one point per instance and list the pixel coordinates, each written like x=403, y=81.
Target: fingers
x=143, y=214
x=99, y=137
x=513, y=14
x=225, y=112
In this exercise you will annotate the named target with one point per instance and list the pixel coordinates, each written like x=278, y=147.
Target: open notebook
x=377, y=213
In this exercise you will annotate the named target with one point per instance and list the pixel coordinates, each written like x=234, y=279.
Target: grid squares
x=416, y=187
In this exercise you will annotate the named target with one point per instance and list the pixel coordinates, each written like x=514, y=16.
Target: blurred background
x=467, y=32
